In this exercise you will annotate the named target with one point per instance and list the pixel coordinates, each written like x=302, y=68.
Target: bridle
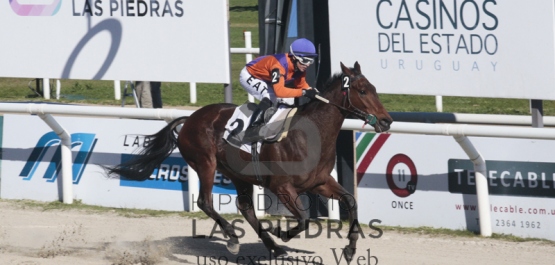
x=348, y=106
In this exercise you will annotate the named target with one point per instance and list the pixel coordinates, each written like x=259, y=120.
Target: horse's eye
x=362, y=92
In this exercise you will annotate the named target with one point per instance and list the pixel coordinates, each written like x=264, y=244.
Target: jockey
x=277, y=78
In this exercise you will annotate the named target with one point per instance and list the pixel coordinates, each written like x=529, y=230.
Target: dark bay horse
x=302, y=162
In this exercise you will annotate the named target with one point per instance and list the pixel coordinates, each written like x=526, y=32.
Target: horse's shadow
x=210, y=250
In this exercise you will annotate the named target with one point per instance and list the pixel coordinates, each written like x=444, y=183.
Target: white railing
x=458, y=131
x=435, y=117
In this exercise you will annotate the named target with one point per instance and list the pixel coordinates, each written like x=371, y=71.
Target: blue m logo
x=85, y=142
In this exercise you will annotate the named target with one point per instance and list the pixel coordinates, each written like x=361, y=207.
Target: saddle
x=274, y=130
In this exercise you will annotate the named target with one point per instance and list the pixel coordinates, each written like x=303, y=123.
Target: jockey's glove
x=310, y=93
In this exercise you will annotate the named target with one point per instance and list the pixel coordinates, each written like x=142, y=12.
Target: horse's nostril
x=386, y=122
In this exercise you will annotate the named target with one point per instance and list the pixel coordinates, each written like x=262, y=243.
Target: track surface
x=33, y=236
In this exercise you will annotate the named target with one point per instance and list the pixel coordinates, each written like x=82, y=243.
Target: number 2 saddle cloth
x=273, y=130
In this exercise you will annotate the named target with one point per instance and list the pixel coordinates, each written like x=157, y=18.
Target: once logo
x=36, y=7
x=46, y=143
x=401, y=175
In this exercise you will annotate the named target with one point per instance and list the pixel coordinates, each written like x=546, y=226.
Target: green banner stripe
x=363, y=144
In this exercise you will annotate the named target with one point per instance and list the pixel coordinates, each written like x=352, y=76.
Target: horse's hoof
x=278, y=252
x=349, y=253
x=233, y=248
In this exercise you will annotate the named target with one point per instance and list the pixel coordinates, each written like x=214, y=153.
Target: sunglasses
x=305, y=60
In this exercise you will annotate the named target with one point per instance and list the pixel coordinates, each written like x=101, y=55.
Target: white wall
x=160, y=40
x=97, y=141
x=500, y=49
x=521, y=176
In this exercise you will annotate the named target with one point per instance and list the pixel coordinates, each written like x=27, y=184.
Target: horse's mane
x=332, y=79
x=327, y=86
x=322, y=90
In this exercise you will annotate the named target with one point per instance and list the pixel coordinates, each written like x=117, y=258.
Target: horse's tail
x=159, y=146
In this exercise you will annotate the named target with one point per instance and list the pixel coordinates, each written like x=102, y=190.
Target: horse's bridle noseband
x=348, y=105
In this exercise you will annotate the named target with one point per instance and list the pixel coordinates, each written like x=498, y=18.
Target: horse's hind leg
x=289, y=197
x=206, y=171
x=246, y=206
x=331, y=189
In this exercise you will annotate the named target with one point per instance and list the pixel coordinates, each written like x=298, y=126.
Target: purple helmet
x=303, y=48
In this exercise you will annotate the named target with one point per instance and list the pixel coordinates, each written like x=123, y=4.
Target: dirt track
x=32, y=236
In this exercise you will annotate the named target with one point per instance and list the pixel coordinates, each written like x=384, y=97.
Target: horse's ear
x=357, y=67
x=346, y=70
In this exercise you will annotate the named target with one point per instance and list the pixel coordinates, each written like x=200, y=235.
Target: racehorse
x=301, y=162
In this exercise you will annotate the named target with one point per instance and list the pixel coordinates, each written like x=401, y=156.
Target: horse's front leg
x=331, y=189
x=349, y=200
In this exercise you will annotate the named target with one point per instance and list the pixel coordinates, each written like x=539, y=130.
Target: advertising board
x=476, y=48
x=417, y=180
x=31, y=165
x=158, y=40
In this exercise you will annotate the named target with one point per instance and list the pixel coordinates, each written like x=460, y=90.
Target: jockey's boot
x=252, y=134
